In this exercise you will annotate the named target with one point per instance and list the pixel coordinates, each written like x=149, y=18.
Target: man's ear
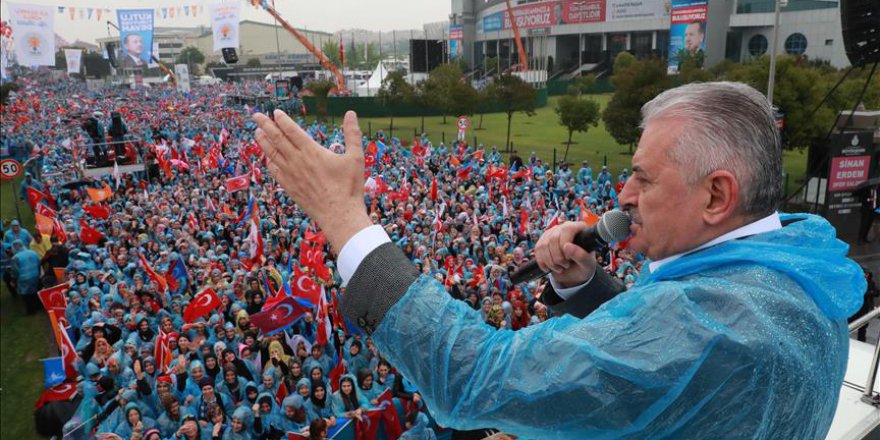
x=723, y=197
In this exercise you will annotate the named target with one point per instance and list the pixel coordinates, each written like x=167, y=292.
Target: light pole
x=772, y=77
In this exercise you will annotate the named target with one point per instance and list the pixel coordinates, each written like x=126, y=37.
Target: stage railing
x=868, y=393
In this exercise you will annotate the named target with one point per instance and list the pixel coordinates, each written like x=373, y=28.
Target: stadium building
x=565, y=37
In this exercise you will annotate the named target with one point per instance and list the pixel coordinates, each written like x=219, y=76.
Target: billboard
x=687, y=31
x=136, y=36
x=618, y=10
x=34, y=34
x=582, y=11
x=456, y=40
x=850, y=168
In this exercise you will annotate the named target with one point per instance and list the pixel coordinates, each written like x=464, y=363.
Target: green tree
x=321, y=90
x=513, y=95
x=253, y=62
x=576, y=113
x=440, y=88
x=394, y=91
x=635, y=83
x=490, y=65
x=192, y=57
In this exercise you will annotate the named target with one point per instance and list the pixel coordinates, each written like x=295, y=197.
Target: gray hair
x=729, y=126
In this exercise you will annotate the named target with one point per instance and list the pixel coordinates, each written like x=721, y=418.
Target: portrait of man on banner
x=136, y=35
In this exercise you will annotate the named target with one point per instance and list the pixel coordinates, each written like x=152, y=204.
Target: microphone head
x=613, y=226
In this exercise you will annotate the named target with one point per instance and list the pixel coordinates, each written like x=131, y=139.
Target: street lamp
x=772, y=77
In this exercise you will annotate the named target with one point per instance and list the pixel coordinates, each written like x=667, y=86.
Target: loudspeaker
x=229, y=55
x=860, y=21
x=111, y=53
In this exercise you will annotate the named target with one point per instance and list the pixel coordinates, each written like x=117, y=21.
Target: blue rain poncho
x=746, y=339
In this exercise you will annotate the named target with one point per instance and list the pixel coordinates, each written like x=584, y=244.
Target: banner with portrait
x=181, y=71
x=136, y=37
x=687, y=32
x=224, y=24
x=74, y=60
x=34, y=34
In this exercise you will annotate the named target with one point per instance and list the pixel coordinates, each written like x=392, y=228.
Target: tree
x=635, y=83
x=513, y=95
x=192, y=57
x=440, y=87
x=320, y=90
x=395, y=91
x=253, y=62
x=576, y=114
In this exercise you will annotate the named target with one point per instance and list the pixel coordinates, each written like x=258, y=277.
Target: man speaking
x=737, y=330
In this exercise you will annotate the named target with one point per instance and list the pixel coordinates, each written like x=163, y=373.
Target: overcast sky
x=323, y=15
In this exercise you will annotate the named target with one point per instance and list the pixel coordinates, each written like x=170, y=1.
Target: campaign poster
x=74, y=60
x=582, y=11
x=534, y=15
x=849, y=170
x=493, y=22
x=34, y=34
x=620, y=10
x=687, y=31
x=456, y=39
x=224, y=24
x=153, y=61
x=136, y=37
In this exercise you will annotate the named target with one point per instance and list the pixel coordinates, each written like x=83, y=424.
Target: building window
x=796, y=44
x=758, y=45
x=829, y=42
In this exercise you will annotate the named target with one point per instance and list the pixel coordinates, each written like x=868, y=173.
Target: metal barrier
x=868, y=395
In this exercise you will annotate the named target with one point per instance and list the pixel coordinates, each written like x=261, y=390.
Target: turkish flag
x=88, y=234
x=45, y=211
x=288, y=311
x=304, y=287
x=201, y=305
x=338, y=371
x=307, y=253
x=34, y=197
x=318, y=238
x=234, y=184
x=53, y=298
x=159, y=279
x=323, y=318
x=523, y=221
x=58, y=393
x=45, y=225
x=97, y=211
x=162, y=352
x=281, y=393
x=68, y=353
x=434, y=190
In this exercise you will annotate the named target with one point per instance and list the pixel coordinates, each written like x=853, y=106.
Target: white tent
x=371, y=86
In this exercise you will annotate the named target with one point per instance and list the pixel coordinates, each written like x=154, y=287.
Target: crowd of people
x=132, y=251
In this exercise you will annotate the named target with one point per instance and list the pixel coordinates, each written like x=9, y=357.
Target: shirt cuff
x=357, y=248
x=564, y=292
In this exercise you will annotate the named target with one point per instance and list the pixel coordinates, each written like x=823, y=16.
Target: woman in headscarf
x=212, y=368
x=267, y=412
x=319, y=406
x=366, y=388
x=276, y=356
x=103, y=352
x=240, y=427
x=347, y=402
x=304, y=388
x=270, y=382
x=293, y=417
x=384, y=378
x=485, y=308
x=134, y=421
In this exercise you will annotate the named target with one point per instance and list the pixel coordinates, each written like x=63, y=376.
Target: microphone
x=613, y=226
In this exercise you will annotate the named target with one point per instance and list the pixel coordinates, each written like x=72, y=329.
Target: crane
x=523, y=63
x=316, y=51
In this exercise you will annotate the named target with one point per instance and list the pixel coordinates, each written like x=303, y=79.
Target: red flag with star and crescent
x=305, y=287
x=58, y=393
x=54, y=298
x=201, y=305
x=283, y=315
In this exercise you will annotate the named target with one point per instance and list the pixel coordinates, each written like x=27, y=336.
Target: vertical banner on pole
x=136, y=36
x=182, y=73
x=687, y=32
x=456, y=39
x=34, y=34
x=224, y=24
x=74, y=60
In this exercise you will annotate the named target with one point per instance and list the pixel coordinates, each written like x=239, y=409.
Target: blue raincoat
x=746, y=339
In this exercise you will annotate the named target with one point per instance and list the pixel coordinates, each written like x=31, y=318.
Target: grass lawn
x=542, y=134
x=23, y=342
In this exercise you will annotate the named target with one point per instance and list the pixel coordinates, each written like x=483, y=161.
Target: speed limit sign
x=9, y=169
